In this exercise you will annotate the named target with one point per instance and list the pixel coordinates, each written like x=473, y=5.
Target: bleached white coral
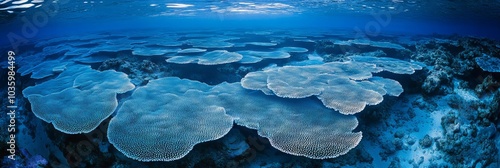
x=210, y=58
x=180, y=113
x=342, y=86
x=79, y=99
x=389, y=64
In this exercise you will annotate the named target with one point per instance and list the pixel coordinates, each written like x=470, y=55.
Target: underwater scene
x=254, y=83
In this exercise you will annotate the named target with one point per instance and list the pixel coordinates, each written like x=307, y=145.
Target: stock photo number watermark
x=11, y=105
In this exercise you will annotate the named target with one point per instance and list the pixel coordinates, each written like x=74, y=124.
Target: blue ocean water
x=256, y=83
x=373, y=17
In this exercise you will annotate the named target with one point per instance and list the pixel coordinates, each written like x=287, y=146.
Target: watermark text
x=11, y=105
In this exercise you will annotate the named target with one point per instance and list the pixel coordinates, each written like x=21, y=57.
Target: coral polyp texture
x=294, y=49
x=344, y=86
x=376, y=44
x=210, y=58
x=389, y=64
x=260, y=55
x=63, y=110
x=78, y=95
x=266, y=44
x=191, y=50
x=200, y=99
x=47, y=68
x=291, y=125
x=183, y=117
x=488, y=63
x=175, y=123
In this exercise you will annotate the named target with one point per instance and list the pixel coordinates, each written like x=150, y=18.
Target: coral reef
x=294, y=100
x=489, y=84
x=437, y=56
x=488, y=63
x=469, y=130
x=210, y=58
x=257, y=56
x=138, y=71
x=435, y=80
x=464, y=145
x=235, y=144
x=448, y=61
x=472, y=48
x=179, y=96
x=26, y=160
x=330, y=81
x=63, y=100
x=338, y=50
x=426, y=141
